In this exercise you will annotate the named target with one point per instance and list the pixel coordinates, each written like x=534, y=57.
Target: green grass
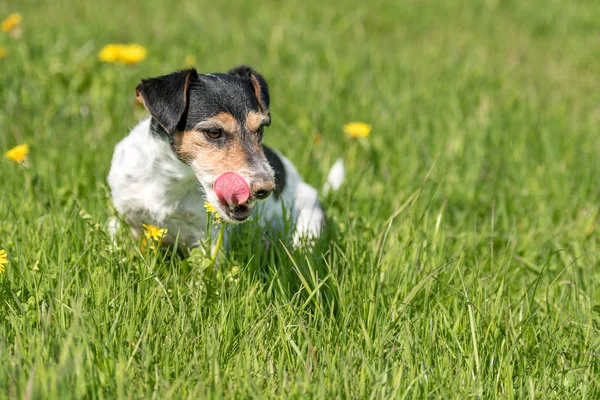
x=463, y=256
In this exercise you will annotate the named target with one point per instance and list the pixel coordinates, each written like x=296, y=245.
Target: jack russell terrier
x=202, y=142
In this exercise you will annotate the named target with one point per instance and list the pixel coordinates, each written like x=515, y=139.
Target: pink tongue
x=232, y=189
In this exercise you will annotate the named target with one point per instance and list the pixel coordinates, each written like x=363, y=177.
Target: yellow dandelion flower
x=18, y=153
x=11, y=22
x=190, y=60
x=211, y=210
x=3, y=261
x=357, y=129
x=123, y=53
x=153, y=232
x=133, y=53
x=2, y=52
x=109, y=53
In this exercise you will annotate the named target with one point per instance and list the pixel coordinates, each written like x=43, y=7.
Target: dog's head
x=215, y=124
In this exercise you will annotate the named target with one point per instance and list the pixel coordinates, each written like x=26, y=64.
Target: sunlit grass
x=462, y=257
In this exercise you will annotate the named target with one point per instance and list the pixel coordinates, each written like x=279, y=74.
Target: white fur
x=335, y=178
x=150, y=185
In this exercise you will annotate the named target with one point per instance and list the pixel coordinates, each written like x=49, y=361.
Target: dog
x=203, y=143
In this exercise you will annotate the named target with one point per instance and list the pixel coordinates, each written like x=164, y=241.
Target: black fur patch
x=277, y=165
x=261, y=90
x=212, y=94
x=166, y=97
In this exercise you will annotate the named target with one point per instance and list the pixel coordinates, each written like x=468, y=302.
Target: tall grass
x=462, y=253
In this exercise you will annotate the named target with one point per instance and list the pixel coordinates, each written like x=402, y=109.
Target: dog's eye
x=214, y=133
x=260, y=132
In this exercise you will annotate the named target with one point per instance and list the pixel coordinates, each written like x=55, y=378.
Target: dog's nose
x=262, y=188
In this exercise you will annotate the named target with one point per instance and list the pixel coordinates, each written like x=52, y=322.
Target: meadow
x=462, y=255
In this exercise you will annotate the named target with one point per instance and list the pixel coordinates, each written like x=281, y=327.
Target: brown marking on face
x=225, y=121
x=192, y=147
x=254, y=120
x=190, y=143
x=185, y=144
x=239, y=152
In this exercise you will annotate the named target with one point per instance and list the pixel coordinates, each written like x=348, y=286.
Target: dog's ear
x=261, y=89
x=165, y=97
